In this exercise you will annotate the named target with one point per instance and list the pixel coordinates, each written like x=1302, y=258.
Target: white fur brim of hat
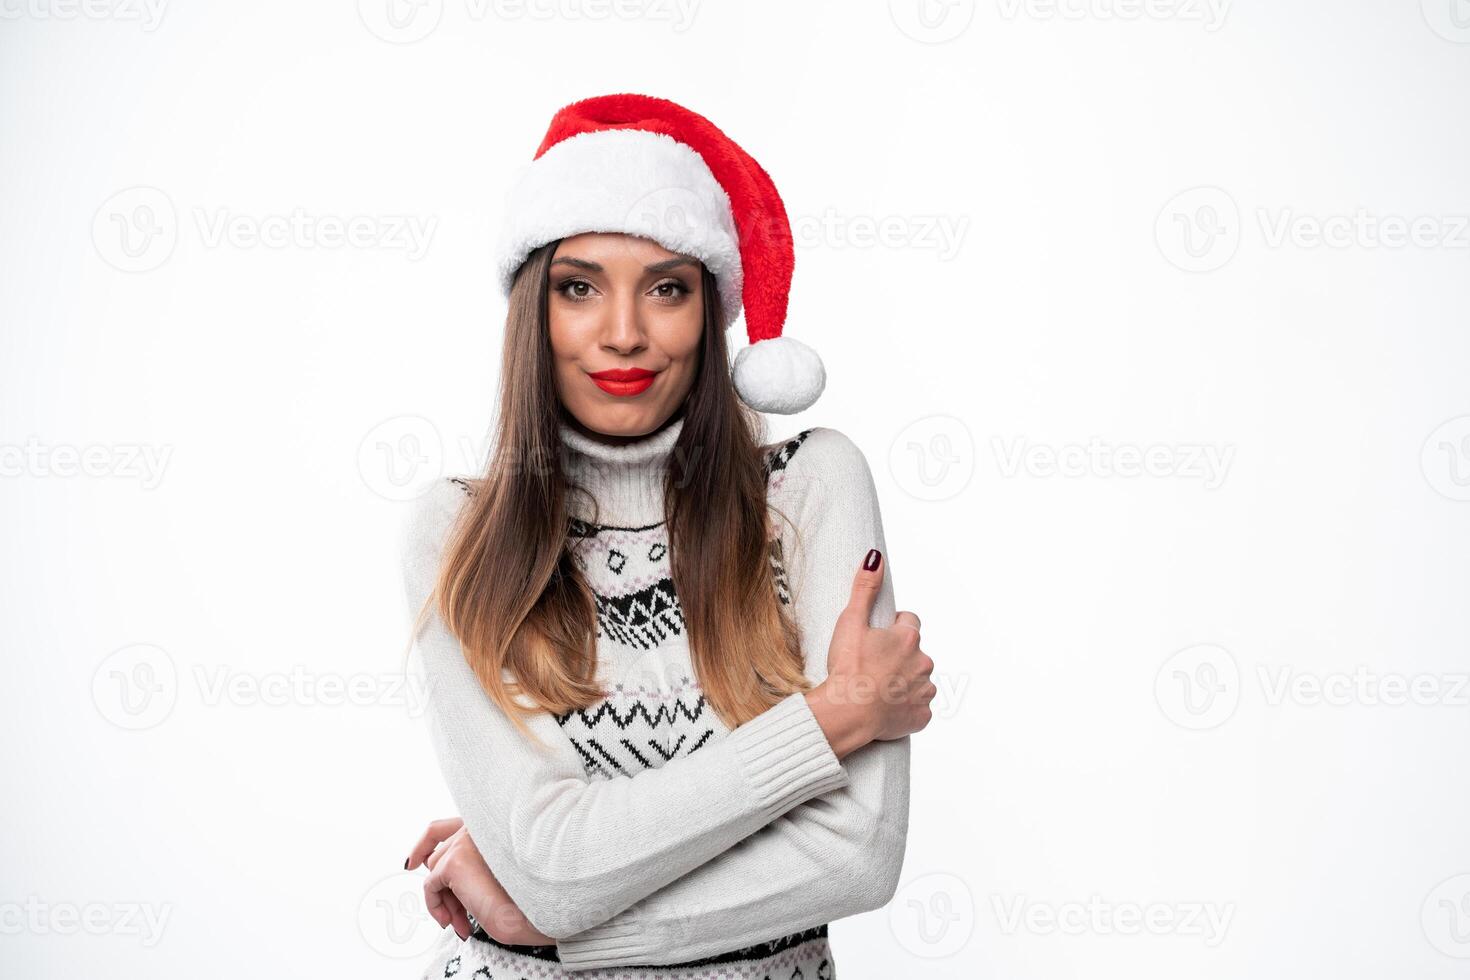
x=630, y=181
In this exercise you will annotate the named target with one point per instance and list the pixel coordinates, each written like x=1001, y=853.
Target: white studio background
x=1150, y=316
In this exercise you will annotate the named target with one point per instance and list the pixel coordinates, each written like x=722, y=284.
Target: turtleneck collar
x=627, y=479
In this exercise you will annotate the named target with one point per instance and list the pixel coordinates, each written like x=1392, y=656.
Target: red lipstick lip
x=623, y=382
x=621, y=374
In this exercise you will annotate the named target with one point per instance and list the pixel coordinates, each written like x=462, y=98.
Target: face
x=626, y=320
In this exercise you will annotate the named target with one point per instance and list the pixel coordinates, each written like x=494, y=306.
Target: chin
x=621, y=420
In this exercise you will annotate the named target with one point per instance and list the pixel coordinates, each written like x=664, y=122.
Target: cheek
x=682, y=333
x=568, y=332
x=558, y=330
x=567, y=344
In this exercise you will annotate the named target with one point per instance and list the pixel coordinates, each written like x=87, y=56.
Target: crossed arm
x=759, y=834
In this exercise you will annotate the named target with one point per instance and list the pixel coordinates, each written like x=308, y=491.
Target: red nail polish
x=873, y=560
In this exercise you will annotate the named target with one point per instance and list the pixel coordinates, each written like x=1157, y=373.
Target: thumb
x=865, y=586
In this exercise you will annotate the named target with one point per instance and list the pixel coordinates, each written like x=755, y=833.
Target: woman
x=650, y=776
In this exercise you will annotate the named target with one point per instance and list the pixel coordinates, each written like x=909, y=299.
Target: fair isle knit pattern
x=657, y=712
x=653, y=713
x=800, y=956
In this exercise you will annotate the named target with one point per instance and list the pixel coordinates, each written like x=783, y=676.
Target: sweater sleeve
x=569, y=850
x=835, y=855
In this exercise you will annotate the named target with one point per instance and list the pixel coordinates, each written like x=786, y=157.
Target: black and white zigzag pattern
x=628, y=569
x=623, y=741
x=631, y=578
x=644, y=724
x=790, y=968
x=778, y=572
x=779, y=458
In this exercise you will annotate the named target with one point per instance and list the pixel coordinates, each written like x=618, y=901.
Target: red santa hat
x=649, y=167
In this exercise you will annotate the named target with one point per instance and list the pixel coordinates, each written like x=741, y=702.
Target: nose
x=622, y=326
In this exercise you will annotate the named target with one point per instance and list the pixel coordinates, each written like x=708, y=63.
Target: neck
x=626, y=478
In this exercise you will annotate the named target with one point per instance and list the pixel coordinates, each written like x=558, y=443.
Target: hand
x=877, y=684
x=460, y=882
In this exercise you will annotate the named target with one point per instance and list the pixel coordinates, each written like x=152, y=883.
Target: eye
x=576, y=290
x=671, y=289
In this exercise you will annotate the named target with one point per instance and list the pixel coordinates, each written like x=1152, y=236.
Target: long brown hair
x=510, y=592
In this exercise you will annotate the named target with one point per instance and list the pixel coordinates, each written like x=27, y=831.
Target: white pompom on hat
x=649, y=167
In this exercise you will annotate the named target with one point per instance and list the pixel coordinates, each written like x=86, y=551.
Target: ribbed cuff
x=786, y=757
x=611, y=943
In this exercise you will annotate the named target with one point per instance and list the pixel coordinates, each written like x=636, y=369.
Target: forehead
x=607, y=247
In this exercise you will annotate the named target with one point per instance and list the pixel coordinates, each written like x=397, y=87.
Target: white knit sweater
x=650, y=833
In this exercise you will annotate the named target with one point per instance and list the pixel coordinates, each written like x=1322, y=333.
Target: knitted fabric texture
x=651, y=839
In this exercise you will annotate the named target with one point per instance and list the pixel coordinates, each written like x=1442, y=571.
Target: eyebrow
x=667, y=265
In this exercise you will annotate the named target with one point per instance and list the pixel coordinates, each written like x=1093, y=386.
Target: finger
x=906, y=618
x=865, y=585
x=458, y=917
x=442, y=848
x=434, y=891
x=438, y=830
